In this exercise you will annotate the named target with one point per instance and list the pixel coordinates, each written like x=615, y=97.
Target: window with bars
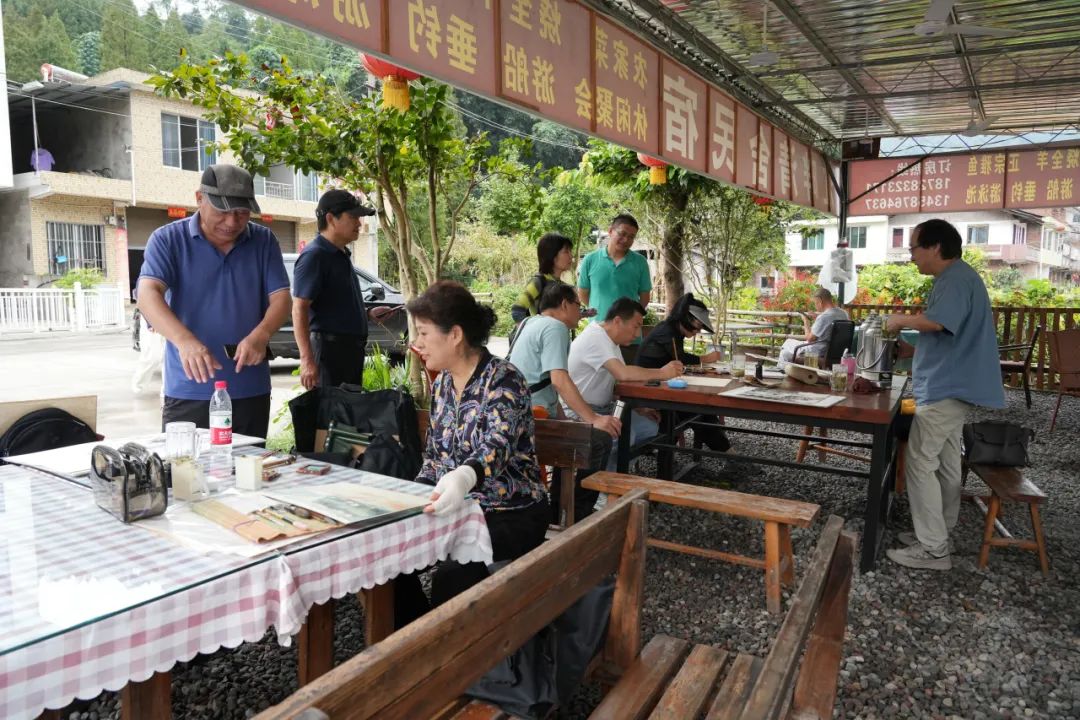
x=1019, y=234
x=978, y=234
x=74, y=246
x=856, y=237
x=187, y=143
x=813, y=240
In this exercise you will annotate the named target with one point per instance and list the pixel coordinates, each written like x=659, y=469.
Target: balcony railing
x=282, y=191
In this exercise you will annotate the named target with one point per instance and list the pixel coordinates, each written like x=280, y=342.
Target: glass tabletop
x=65, y=563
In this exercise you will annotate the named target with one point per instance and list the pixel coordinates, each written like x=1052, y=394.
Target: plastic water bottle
x=221, y=426
x=848, y=361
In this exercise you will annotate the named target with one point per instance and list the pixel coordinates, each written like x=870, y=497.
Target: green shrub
x=87, y=277
x=746, y=298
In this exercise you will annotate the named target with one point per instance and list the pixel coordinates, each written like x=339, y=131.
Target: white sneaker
x=916, y=557
x=908, y=538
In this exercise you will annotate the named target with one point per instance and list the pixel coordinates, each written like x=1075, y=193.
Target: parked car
x=391, y=335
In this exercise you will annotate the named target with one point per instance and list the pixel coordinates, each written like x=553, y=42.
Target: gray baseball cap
x=228, y=188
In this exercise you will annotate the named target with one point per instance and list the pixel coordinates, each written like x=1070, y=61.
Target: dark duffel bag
x=389, y=415
x=996, y=443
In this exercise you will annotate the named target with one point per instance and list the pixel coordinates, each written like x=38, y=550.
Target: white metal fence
x=48, y=310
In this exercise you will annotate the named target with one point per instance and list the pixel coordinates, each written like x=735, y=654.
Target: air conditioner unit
x=110, y=220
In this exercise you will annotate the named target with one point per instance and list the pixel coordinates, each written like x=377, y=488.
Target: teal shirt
x=960, y=361
x=542, y=345
x=607, y=282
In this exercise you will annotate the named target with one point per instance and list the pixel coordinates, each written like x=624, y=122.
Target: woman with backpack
x=555, y=253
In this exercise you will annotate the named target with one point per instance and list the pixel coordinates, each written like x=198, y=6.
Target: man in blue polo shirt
x=329, y=320
x=955, y=368
x=212, y=280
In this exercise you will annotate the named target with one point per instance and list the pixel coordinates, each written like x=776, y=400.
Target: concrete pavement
x=102, y=365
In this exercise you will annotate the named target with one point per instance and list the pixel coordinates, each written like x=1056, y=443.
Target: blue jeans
x=641, y=429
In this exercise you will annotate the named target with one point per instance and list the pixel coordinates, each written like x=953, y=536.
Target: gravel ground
x=997, y=643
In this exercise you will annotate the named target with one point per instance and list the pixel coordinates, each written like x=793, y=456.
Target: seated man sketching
x=596, y=364
x=817, y=333
x=541, y=353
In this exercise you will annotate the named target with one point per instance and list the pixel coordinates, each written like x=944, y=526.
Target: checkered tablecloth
x=88, y=603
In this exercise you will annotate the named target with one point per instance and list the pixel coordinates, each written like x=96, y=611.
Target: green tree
x=556, y=146
x=88, y=53
x=308, y=124
x=665, y=204
x=174, y=39
x=576, y=204
x=34, y=40
x=123, y=43
x=193, y=22
x=512, y=201
x=731, y=237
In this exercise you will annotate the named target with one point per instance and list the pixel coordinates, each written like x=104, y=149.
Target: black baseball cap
x=335, y=202
x=702, y=316
x=228, y=188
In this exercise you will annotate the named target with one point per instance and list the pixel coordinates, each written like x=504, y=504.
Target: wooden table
x=873, y=415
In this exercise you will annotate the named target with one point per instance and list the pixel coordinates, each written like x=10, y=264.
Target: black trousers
x=513, y=533
x=584, y=500
x=251, y=416
x=340, y=358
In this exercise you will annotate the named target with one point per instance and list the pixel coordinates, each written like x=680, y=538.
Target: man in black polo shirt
x=329, y=318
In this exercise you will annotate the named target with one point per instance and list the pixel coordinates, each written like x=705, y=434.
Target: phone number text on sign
x=906, y=202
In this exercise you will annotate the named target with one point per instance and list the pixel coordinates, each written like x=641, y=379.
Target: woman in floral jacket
x=480, y=443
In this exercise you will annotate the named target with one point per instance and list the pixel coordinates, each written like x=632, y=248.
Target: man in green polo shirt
x=609, y=273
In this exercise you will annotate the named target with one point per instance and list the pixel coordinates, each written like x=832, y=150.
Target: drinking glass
x=838, y=379
x=812, y=359
x=181, y=441
x=738, y=365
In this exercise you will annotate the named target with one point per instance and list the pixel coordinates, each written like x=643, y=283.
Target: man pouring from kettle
x=955, y=368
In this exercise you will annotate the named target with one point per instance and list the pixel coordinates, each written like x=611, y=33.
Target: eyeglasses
x=913, y=248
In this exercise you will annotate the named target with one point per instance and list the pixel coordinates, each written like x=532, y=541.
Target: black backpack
x=45, y=429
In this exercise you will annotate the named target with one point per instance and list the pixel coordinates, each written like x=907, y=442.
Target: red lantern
x=657, y=169
x=395, y=89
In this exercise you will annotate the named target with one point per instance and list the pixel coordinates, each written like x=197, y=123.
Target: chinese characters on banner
x=976, y=181
x=801, y=192
x=545, y=61
x=899, y=195
x=781, y=177
x=819, y=178
x=1043, y=178
x=746, y=140
x=453, y=40
x=627, y=88
x=352, y=22
x=537, y=54
x=684, y=98
x=963, y=182
x=722, y=136
x=764, y=157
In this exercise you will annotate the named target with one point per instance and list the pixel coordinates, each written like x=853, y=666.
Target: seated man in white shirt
x=819, y=332
x=540, y=351
x=596, y=364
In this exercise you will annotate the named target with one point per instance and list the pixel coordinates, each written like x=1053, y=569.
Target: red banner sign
x=899, y=195
x=545, y=62
x=684, y=105
x=560, y=60
x=977, y=181
x=1043, y=178
x=453, y=40
x=627, y=88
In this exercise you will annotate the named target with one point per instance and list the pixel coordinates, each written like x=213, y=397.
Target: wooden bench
x=1008, y=484
x=422, y=670
x=777, y=514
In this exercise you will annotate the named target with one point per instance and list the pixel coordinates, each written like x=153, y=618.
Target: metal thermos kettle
x=876, y=352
